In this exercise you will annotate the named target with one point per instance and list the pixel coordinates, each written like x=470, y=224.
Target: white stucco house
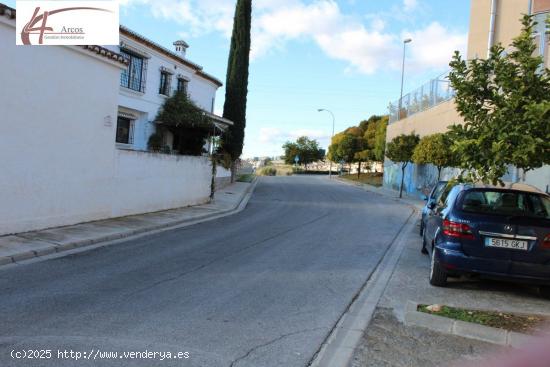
x=153, y=74
x=62, y=111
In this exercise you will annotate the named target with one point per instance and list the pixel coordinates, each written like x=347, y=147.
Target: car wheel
x=545, y=291
x=424, y=250
x=438, y=275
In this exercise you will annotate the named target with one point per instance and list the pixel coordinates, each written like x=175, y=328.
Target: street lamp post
x=333, y=120
x=408, y=40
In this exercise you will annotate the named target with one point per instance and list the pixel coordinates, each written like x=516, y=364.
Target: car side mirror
x=425, y=197
x=431, y=205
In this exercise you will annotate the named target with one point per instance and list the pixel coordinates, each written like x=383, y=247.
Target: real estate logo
x=67, y=22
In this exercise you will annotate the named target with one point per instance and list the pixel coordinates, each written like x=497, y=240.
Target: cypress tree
x=236, y=85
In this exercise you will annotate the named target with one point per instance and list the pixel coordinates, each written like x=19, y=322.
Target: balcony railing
x=431, y=94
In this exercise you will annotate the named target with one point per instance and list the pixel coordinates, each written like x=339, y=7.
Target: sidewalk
x=389, y=341
x=374, y=331
x=23, y=246
x=415, y=202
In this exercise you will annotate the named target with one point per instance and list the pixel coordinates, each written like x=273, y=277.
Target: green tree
x=363, y=143
x=504, y=101
x=374, y=139
x=375, y=136
x=186, y=121
x=435, y=149
x=306, y=149
x=401, y=150
x=364, y=155
x=343, y=147
x=236, y=90
x=380, y=139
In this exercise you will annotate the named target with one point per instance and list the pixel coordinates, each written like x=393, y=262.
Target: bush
x=268, y=171
x=187, y=122
x=249, y=177
x=155, y=142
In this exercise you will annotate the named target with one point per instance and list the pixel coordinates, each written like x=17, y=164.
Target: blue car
x=430, y=199
x=493, y=231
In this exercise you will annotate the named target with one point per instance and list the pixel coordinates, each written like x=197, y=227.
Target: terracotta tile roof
x=163, y=50
x=102, y=51
x=7, y=11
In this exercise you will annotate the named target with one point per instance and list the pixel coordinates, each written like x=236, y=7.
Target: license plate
x=506, y=243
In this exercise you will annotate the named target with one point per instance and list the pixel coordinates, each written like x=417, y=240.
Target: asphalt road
x=260, y=288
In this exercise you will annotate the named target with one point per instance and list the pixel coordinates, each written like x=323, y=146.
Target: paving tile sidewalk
x=23, y=246
x=387, y=341
x=417, y=203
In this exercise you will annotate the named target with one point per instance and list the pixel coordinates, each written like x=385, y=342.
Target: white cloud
x=410, y=5
x=276, y=136
x=378, y=24
x=270, y=135
x=433, y=46
x=366, y=48
x=198, y=16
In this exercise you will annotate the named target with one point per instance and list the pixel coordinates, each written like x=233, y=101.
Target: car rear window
x=506, y=203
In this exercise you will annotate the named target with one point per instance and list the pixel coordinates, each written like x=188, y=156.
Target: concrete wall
x=541, y=6
x=539, y=178
x=419, y=179
x=478, y=34
x=147, y=182
x=223, y=177
x=431, y=121
x=507, y=24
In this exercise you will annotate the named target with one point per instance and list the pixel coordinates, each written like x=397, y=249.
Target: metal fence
x=427, y=96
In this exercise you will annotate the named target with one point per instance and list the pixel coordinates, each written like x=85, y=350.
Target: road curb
x=373, y=190
x=338, y=348
x=83, y=245
x=465, y=329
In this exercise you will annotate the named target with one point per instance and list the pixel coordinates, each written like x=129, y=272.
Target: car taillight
x=546, y=242
x=457, y=230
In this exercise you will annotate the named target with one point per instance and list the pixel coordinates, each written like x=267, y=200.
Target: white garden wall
x=222, y=172
x=223, y=177
x=57, y=128
x=147, y=182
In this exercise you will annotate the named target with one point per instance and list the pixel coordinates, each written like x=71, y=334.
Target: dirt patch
x=389, y=343
x=528, y=324
x=374, y=179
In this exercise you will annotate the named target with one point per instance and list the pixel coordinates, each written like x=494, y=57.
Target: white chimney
x=181, y=47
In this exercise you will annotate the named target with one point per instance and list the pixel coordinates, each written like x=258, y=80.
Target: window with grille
x=164, y=87
x=133, y=77
x=182, y=85
x=124, y=130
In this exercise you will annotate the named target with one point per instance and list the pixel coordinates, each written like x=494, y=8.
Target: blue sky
x=307, y=54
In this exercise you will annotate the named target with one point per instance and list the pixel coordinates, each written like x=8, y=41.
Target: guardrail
x=431, y=94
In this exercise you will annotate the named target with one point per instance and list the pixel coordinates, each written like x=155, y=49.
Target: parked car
x=430, y=200
x=499, y=232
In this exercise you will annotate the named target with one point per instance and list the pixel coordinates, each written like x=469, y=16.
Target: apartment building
x=430, y=108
